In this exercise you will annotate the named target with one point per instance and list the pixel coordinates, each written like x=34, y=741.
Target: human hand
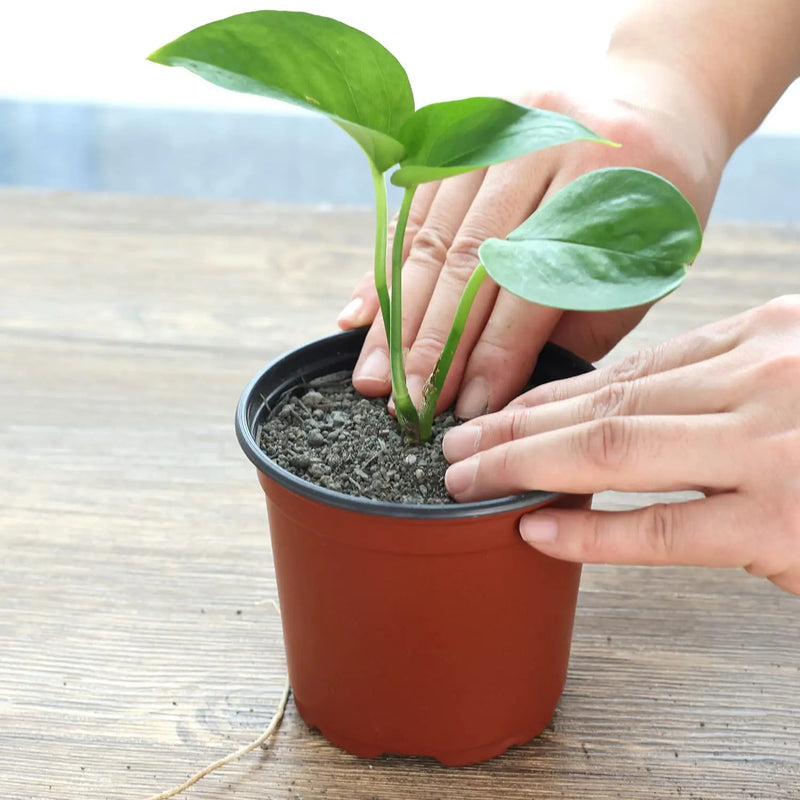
x=450, y=219
x=714, y=410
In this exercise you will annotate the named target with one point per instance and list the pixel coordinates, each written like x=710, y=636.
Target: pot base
x=449, y=758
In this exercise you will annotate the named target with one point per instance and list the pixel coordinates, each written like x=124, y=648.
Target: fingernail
x=461, y=476
x=473, y=401
x=461, y=442
x=350, y=315
x=375, y=368
x=538, y=528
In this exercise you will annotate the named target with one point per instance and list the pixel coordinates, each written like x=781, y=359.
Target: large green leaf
x=310, y=61
x=445, y=139
x=613, y=238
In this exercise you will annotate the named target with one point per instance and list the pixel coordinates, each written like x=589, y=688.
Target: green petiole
x=406, y=412
x=381, y=229
x=433, y=388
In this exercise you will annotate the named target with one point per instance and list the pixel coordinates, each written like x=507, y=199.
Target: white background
x=95, y=51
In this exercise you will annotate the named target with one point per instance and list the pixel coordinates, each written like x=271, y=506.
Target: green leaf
x=613, y=238
x=310, y=61
x=450, y=138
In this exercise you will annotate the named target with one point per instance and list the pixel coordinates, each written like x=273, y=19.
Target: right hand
x=713, y=410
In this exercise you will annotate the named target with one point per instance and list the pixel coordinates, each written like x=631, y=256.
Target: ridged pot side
x=447, y=639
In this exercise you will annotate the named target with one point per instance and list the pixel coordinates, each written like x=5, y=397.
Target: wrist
x=678, y=99
x=730, y=62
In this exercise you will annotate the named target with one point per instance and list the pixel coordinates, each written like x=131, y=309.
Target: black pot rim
x=246, y=420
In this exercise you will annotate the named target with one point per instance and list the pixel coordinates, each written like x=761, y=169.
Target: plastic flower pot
x=420, y=630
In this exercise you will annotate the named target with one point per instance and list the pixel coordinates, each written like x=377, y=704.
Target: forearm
x=729, y=59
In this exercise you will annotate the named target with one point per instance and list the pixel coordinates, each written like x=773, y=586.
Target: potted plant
x=426, y=628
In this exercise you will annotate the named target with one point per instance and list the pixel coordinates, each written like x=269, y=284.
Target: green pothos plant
x=611, y=239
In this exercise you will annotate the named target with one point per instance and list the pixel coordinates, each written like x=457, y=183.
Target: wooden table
x=137, y=641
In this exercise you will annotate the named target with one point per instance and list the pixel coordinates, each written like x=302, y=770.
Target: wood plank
x=137, y=642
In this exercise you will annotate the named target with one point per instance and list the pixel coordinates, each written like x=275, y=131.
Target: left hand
x=662, y=126
x=716, y=410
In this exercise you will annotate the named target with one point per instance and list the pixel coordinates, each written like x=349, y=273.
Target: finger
x=689, y=348
x=508, y=194
x=363, y=305
x=503, y=358
x=500, y=363
x=714, y=532
x=704, y=388
x=436, y=215
x=623, y=453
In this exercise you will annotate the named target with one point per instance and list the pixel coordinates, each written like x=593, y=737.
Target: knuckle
x=781, y=310
x=780, y=314
x=660, y=531
x=467, y=242
x=429, y=245
x=507, y=463
x=510, y=469
x=778, y=370
x=518, y=422
x=605, y=443
x=544, y=393
x=611, y=400
x=593, y=543
x=462, y=256
x=416, y=215
x=633, y=366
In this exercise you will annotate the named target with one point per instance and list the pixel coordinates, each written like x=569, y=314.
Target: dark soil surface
x=328, y=434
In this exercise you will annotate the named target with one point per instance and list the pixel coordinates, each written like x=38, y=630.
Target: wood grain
x=137, y=643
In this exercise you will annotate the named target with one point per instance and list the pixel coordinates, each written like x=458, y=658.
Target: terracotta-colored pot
x=412, y=629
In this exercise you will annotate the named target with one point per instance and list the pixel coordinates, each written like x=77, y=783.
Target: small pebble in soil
x=328, y=434
x=315, y=438
x=313, y=399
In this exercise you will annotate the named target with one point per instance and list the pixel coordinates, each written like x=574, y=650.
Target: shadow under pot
x=419, y=630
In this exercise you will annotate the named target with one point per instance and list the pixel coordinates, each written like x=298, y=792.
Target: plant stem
x=406, y=412
x=381, y=230
x=433, y=388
